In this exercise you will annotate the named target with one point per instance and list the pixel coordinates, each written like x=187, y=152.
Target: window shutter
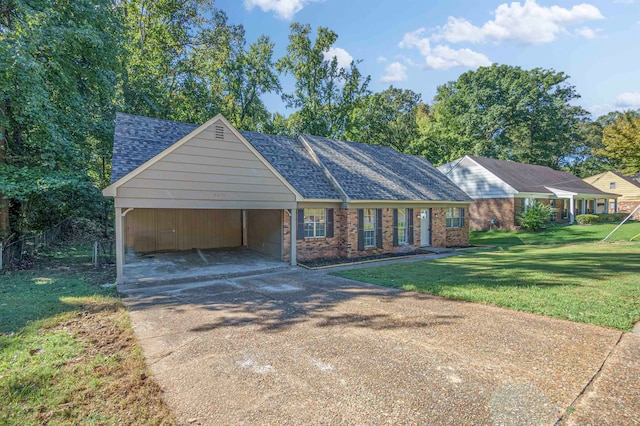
x=395, y=227
x=329, y=223
x=360, y=229
x=300, y=230
x=379, y=228
x=409, y=226
x=461, y=217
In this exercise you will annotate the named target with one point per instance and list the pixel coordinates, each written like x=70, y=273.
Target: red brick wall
x=345, y=240
x=443, y=237
x=627, y=207
x=503, y=210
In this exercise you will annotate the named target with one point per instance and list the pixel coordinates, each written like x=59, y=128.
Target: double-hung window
x=402, y=226
x=455, y=217
x=315, y=223
x=369, y=227
x=554, y=211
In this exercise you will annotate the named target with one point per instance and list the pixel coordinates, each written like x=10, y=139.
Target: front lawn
x=557, y=234
x=597, y=283
x=67, y=351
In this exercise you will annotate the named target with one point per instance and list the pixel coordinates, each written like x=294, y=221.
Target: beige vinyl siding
x=151, y=230
x=207, y=172
x=627, y=190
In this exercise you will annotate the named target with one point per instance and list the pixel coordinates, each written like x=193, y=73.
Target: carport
x=209, y=190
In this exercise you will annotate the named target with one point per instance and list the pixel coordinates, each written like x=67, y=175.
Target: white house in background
x=502, y=189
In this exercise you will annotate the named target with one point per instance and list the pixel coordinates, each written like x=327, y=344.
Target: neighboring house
x=503, y=189
x=627, y=187
x=179, y=186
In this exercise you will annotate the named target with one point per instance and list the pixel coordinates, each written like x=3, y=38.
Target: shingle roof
x=294, y=163
x=532, y=178
x=365, y=172
x=370, y=172
x=139, y=139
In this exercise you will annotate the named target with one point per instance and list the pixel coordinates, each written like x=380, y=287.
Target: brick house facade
x=344, y=242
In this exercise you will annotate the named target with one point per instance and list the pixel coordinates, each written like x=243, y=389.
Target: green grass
x=558, y=234
x=596, y=283
x=67, y=352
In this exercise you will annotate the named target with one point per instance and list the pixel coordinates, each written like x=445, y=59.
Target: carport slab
x=156, y=269
x=302, y=347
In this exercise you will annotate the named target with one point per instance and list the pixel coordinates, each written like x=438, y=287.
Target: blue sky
x=420, y=44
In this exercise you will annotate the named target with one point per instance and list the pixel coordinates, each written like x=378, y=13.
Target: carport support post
x=119, y=247
x=292, y=234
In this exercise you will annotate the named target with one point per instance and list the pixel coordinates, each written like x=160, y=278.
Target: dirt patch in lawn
x=112, y=358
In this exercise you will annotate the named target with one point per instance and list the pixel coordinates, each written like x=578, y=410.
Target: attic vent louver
x=219, y=132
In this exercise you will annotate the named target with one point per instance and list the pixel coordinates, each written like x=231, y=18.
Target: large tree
x=324, y=93
x=386, y=118
x=59, y=66
x=509, y=113
x=621, y=141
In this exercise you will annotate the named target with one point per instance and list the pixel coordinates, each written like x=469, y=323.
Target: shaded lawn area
x=67, y=351
x=557, y=234
x=597, y=283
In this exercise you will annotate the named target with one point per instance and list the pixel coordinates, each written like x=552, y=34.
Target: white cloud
x=587, y=32
x=394, y=72
x=527, y=23
x=381, y=59
x=283, y=9
x=443, y=57
x=628, y=100
x=343, y=57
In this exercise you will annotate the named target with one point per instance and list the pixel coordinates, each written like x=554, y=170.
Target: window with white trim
x=612, y=185
x=554, y=211
x=455, y=217
x=369, y=227
x=315, y=223
x=402, y=226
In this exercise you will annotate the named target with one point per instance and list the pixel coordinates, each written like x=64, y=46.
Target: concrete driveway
x=302, y=347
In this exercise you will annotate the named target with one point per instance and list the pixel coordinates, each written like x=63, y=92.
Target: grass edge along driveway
x=595, y=283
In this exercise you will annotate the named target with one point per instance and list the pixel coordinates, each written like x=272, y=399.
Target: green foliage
x=612, y=217
x=387, y=118
x=586, y=219
x=59, y=65
x=535, y=217
x=325, y=93
x=621, y=140
x=504, y=112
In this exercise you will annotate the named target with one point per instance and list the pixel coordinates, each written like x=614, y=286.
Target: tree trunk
x=4, y=202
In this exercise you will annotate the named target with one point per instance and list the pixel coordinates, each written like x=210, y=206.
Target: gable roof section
x=294, y=163
x=632, y=180
x=139, y=139
x=371, y=172
x=536, y=179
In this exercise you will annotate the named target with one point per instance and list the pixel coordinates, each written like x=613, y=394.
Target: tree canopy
x=504, y=112
x=621, y=141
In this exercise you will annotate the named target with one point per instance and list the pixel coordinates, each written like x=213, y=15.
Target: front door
x=166, y=238
x=425, y=227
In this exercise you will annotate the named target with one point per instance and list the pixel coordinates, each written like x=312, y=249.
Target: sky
x=421, y=44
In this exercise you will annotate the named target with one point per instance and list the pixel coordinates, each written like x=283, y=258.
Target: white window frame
x=612, y=185
x=402, y=225
x=554, y=211
x=315, y=223
x=455, y=217
x=369, y=226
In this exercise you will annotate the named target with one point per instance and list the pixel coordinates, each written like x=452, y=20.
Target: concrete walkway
x=303, y=347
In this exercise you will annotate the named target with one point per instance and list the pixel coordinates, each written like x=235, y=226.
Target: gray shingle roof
x=532, y=178
x=365, y=172
x=294, y=163
x=371, y=172
x=138, y=139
